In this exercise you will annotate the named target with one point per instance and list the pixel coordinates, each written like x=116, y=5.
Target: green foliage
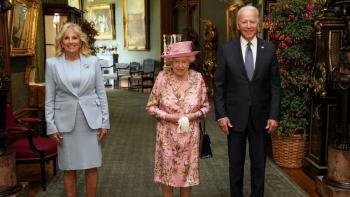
x=291, y=28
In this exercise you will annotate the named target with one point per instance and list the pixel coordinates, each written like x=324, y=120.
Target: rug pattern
x=127, y=169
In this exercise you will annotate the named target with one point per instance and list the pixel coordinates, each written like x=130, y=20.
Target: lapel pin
x=86, y=66
x=262, y=47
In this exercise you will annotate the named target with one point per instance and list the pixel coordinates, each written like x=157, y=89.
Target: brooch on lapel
x=262, y=47
x=86, y=66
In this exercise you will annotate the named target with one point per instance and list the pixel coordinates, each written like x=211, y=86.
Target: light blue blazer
x=61, y=101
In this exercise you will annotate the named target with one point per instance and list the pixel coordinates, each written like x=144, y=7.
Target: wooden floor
x=303, y=180
x=30, y=173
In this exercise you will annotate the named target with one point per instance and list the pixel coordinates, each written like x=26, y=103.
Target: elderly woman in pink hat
x=178, y=99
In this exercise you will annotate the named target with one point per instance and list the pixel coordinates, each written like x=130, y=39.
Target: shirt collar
x=244, y=42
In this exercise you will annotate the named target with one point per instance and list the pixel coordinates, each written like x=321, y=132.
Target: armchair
x=123, y=72
x=147, y=76
x=144, y=78
x=135, y=75
x=29, y=147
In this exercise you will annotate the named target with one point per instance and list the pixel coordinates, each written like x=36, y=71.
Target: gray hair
x=246, y=8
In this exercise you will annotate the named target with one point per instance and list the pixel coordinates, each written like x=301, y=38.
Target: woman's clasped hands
x=183, y=120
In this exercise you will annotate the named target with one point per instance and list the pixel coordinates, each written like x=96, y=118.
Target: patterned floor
x=127, y=169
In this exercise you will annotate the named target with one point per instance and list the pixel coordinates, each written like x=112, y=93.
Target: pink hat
x=179, y=49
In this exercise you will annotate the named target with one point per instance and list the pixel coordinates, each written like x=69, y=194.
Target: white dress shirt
x=253, y=46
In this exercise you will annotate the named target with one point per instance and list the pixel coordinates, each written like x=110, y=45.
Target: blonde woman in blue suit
x=76, y=108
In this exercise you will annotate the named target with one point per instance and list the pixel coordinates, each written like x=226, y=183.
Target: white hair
x=247, y=8
x=191, y=59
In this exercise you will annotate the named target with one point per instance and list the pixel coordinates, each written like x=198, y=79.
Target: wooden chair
x=123, y=73
x=144, y=78
x=135, y=75
x=30, y=147
x=147, y=75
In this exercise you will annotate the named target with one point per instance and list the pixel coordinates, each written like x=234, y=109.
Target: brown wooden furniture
x=134, y=75
x=55, y=15
x=30, y=147
x=177, y=15
x=144, y=78
x=329, y=30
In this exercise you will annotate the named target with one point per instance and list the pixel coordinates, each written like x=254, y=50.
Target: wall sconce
x=56, y=21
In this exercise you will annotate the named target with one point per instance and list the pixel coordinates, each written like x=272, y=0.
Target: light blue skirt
x=80, y=148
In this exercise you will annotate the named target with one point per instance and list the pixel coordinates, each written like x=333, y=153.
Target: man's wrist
x=218, y=120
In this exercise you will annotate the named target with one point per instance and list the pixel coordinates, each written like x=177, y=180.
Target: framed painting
x=136, y=24
x=102, y=15
x=75, y=3
x=267, y=6
x=231, y=25
x=23, y=20
x=259, y=4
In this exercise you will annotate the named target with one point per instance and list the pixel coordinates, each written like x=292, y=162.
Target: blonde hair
x=84, y=49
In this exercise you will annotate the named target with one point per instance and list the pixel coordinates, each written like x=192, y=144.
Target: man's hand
x=271, y=125
x=224, y=124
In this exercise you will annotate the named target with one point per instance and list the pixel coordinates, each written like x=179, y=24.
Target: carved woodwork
x=329, y=32
x=4, y=74
x=179, y=15
x=339, y=151
x=4, y=44
x=8, y=182
x=209, y=61
x=322, y=125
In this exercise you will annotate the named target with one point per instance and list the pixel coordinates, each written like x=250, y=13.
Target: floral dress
x=177, y=154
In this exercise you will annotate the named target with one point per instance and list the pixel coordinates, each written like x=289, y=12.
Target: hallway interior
x=127, y=169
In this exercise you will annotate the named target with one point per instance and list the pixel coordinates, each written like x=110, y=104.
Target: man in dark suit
x=247, y=99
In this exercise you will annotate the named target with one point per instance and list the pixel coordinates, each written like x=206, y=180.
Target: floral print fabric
x=177, y=154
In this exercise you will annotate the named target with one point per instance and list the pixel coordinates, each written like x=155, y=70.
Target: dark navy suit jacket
x=235, y=95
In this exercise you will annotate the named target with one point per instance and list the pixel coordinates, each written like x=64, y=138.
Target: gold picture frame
x=271, y=8
x=23, y=20
x=136, y=24
x=75, y=3
x=231, y=23
x=103, y=17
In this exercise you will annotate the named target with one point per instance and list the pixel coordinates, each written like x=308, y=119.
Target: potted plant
x=291, y=27
x=91, y=32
